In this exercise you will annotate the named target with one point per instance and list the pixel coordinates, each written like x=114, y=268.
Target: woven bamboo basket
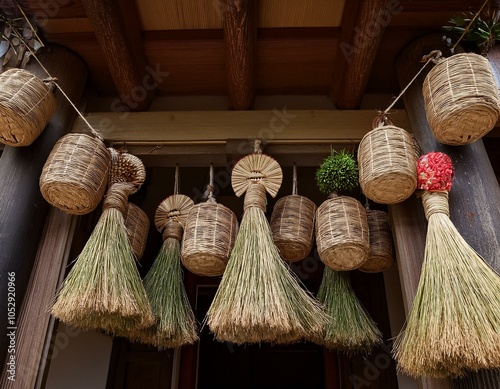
x=137, y=224
x=75, y=175
x=461, y=99
x=381, y=254
x=342, y=235
x=209, y=236
x=387, y=157
x=292, y=224
x=26, y=105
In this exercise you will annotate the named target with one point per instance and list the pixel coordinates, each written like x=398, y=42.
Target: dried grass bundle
x=454, y=323
x=175, y=322
x=259, y=299
x=350, y=328
x=104, y=290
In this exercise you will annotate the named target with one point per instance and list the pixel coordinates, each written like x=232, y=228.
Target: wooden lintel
x=117, y=29
x=273, y=125
x=240, y=30
x=358, y=54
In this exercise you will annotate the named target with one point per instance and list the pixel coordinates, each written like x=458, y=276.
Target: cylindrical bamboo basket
x=381, y=254
x=342, y=235
x=209, y=236
x=26, y=105
x=75, y=175
x=137, y=224
x=387, y=157
x=292, y=224
x=461, y=99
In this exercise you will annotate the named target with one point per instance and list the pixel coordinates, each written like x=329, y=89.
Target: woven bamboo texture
x=387, y=157
x=461, y=99
x=342, y=235
x=137, y=224
x=26, y=105
x=126, y=167
x=292, y=225
x=381, y=254
x=209, y=236
x=75, y=175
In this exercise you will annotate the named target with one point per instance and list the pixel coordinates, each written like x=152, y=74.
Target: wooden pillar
x=240, y=29
x=359, y=54
x=474, y=197
x=22, y=208
x=118, y=32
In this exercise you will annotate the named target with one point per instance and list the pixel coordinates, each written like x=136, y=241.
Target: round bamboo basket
x=381, y=254
x=292, y=225
x=26, y=105
x=461, y=99
x=137, y=224
x=209, y=235
x=75, y=175
x=342, y=235
x=387, y=157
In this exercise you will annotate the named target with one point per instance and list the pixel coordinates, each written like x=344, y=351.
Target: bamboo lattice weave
x=381, y=254
x=461, y=99
x=292, y=224
x=137, y=224
x=387, y=157
x=26, y=105
x=75, y=175
x=342, y=233
x=209, y=236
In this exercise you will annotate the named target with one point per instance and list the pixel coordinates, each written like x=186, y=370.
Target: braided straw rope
x=26, y=105
x=381, y=254
x=387, y=156
x=461, y=99
x=137, y=224
x=75, y=175
x=342, y=234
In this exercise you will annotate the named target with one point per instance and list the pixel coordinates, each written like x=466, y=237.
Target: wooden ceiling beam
x=240, y=31
x=118, y=33
x=356, y=55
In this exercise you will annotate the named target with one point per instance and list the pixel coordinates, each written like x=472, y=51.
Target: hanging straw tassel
x=259, y=299
x=350, y=328
x=175, y=322
x=454, y=323
x=103, y=290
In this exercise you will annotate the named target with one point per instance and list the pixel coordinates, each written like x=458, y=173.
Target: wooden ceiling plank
x=359, y=54
x=117, y=30
x=240, y=32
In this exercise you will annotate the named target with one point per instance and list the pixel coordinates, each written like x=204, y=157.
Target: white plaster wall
x=80, y=360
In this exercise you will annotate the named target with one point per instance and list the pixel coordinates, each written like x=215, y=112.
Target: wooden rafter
x=240, y=29
x=356, y=54
x=118, y=33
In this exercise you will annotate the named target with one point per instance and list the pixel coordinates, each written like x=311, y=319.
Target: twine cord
x=466, y=30
x=176, y=179
x=431, y=57
x=117, y=197
x=256, y=146
x=53, y=79
x=173, y=229
x=435, y=202
x=295, y=185
x=255, y=197
x=210, y=188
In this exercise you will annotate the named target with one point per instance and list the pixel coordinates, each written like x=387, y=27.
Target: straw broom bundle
x=258, y=299
x=103, y=290
x=175, y=322
x=454, y=323
x=350, y=328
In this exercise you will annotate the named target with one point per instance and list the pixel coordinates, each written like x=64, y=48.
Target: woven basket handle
x=295, y=185
x=382, y=119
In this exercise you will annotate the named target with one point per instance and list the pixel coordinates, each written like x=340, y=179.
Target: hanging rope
x=294, y=186
x=466, y=30
x=256, y=146
x=433, y=56
x=210, y=188
x=176, y=179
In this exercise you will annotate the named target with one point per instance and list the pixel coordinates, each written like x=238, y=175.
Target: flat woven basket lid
x=257, y=167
